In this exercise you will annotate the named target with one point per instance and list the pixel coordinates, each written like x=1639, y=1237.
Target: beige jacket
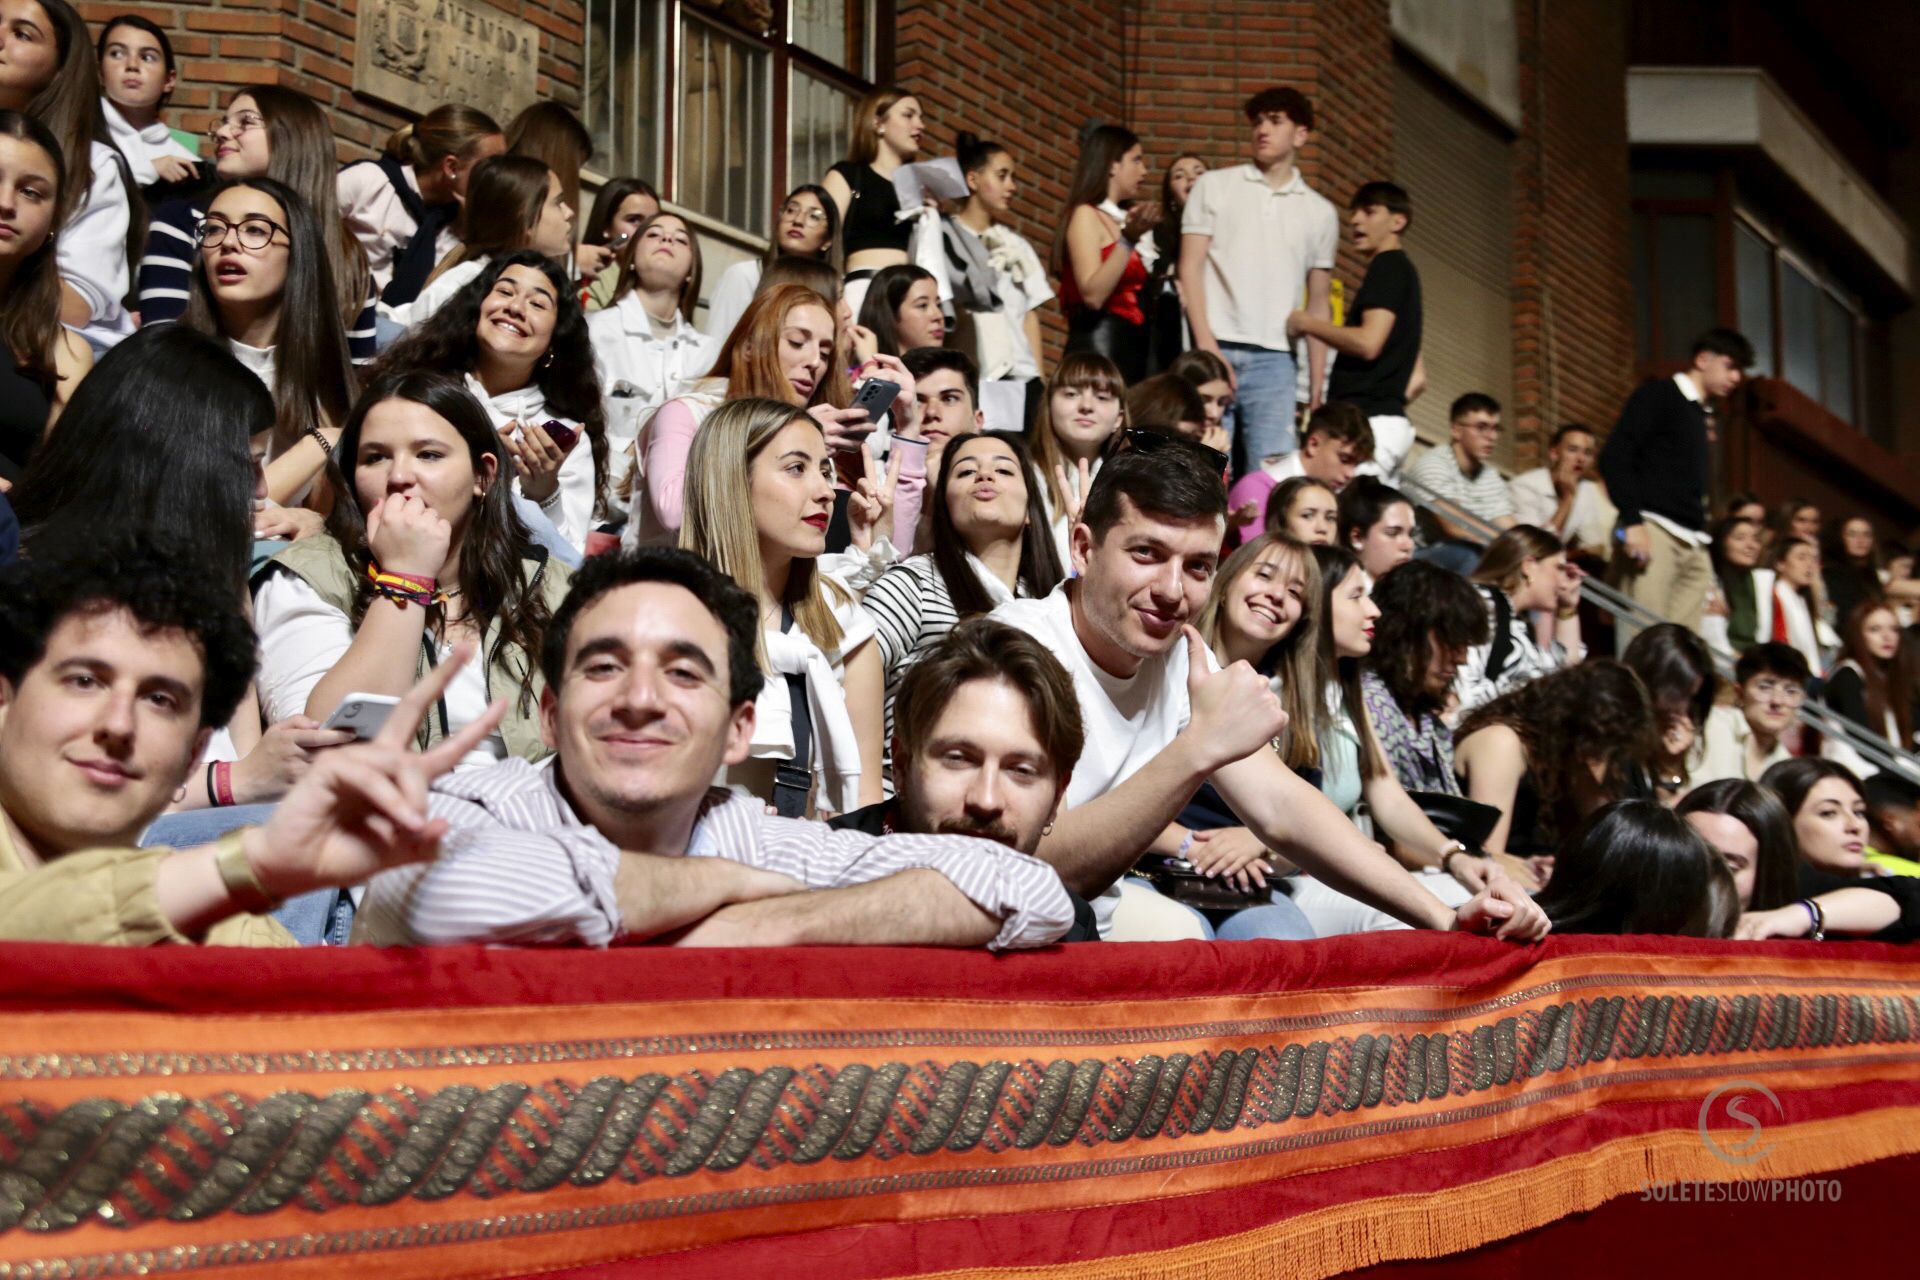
x=104, y=896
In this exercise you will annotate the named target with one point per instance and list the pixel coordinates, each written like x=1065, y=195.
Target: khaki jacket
x=104, y=896
x=322, y=565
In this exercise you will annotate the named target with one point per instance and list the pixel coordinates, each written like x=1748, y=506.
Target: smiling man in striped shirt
x=619, y=836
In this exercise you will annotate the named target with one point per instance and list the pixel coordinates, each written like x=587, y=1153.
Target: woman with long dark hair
x=1554, y=750
x=1169, y=339
x=902, y=310
x=1429, y=618
x=1839, y=892
x=1304, y=508
x=184, y=469
x=549, y=132
x=1849, y=569
x=619, y=207
x=517, y=335
x=512, y=203
x=759, y=492
x=51, y=74
x=887, y=126
x=1677, y=668
x=1752, y=832
x=267, y=132
x=806, y=225
x=423, y=550
x=1353, y=767
x=137, y=75
x=1736, y=550
x=999, y=285
x=1376, y=524
x=990, y=545
x=404, y=206
x=264, y=286
x=1787, y=603
x=644, y=339
x=1869, y=685
x=1635, y=866
x=1097, y=251
x=45, y=360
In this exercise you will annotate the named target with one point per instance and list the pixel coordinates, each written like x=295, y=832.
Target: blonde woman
x=887, y=127
x=759, y=496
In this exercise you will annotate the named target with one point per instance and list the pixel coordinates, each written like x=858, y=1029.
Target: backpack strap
x=793, y=777
x=414, y=261
x=1501, y=651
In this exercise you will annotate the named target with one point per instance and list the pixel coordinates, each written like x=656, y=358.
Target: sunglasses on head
x=1151, y=441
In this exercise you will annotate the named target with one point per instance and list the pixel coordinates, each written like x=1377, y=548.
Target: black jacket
x=1655, y=460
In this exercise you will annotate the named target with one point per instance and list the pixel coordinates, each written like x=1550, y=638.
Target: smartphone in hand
x=876, y=396
x=362, y=714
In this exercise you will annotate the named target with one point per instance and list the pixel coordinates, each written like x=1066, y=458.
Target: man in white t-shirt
x=1255, y=238
x=1158, y=725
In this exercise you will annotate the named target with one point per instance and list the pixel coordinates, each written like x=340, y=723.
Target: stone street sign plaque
x=417, y=54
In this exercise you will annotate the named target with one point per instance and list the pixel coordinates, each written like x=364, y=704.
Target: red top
x=1124, y=301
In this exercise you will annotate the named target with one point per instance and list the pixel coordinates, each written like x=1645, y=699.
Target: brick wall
x=307, y=45
x=1572, y=302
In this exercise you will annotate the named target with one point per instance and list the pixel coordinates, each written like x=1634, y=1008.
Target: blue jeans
x=1266, y=391
x=323, y=916
x=1278, y=921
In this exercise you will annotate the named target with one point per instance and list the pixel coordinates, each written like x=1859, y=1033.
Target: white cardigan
x=571, y=506
x=638, y=371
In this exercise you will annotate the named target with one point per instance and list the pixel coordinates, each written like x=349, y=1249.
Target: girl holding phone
x=423, y=550
x=518, y=336
x=618, y=210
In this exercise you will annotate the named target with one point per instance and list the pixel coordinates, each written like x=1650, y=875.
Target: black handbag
x=1176, y=878
x=1458, y=818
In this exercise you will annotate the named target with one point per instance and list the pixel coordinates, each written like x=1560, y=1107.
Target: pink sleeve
x=1255, y=486
x=908, y=492
x=669, y=440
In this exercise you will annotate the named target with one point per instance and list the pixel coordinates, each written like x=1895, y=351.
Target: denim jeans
x=323, y=916
x=1278, y=920
x=1266, y=390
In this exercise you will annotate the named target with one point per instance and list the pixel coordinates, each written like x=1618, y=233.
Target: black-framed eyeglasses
x=1149, y=441
x=254, y=232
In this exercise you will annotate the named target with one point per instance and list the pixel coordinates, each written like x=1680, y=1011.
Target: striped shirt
x=912, y=611
x=167, y=269
x=519, y=866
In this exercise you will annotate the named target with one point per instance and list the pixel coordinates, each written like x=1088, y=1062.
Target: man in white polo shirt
x=1252, y=237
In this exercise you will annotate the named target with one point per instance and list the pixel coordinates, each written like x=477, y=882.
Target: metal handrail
x=1610, y=600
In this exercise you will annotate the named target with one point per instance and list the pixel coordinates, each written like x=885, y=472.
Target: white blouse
x=302, y=637
x=436, y=293
x=571, y=505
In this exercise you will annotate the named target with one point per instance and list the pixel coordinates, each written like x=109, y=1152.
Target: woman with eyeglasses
x=267, y=132
x=644, y=339
x=49, y=72
x=263, y=284
x=807, y=225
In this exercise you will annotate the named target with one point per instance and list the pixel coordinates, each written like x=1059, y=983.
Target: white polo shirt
x=1265, y=241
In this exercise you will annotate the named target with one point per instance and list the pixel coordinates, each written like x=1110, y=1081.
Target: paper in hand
x=942, y=177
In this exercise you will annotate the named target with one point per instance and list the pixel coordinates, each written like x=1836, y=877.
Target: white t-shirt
x=1128, y=720
x=302, y=637
x=436, y=293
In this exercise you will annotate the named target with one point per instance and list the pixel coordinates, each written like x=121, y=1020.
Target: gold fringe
x=1431, y=1224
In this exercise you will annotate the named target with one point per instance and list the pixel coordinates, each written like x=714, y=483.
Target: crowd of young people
x=400, y=562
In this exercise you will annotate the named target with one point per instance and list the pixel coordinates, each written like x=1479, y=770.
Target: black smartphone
x=876, y=396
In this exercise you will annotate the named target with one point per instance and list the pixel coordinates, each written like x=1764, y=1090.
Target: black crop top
x=872, y=220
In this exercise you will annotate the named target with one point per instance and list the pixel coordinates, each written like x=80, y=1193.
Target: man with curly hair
x=116, y=666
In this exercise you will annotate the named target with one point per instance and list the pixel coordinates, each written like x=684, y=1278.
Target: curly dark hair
x=568, y=377
x=1419, y=601
x=493, y=581
x=163, y=585
x=735, y=610
x=1598, y=710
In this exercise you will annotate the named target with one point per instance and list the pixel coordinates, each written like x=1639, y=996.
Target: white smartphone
x=362, y=714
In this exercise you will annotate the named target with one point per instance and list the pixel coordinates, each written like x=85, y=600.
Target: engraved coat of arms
x=400, y=38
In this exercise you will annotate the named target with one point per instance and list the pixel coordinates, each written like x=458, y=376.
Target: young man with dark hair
x=1745, y=739
x=1254, y=237
x=1461, y=479
x=946, y=386
x=1657, y=472
x=1560, y=498
x=1893, y=823
x=620, y=834
x=116, y=666
x=1378, y=366
x=1162, y=717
